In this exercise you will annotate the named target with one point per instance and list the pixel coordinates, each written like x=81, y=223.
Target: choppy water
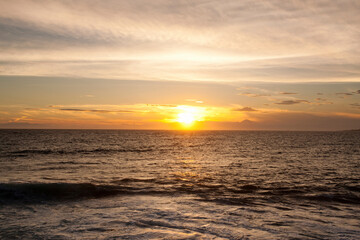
x=109, y=184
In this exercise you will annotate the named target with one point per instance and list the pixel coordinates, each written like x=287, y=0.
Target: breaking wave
x=80, y=151
x=245, y=195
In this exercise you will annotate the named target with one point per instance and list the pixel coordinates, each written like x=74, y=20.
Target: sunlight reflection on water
x=152, y=184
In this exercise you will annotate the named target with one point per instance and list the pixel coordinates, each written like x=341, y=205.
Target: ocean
x=130, y=184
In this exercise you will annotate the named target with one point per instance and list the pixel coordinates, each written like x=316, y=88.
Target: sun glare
x=188, y=115
x=186, y=118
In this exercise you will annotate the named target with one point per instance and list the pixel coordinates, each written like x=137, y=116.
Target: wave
x=246, y=194
x=81, y=151
x=134, y=180
x=37, y=192
x=346, y=198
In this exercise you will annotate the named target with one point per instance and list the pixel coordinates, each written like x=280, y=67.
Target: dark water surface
x=110, y=184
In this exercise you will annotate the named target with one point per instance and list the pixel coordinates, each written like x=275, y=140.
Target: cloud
x=355, y=105
x=94, y=110
x=24, y=125
x=321, y=101
x=255, y=91
x=344, y=94
x=288, y=93
x=244, y=109
x=291, y=102
x=176, y=40
x=253, y=94
x=194, y=100
x=163, y=105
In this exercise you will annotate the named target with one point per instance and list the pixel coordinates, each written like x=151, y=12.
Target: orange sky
x=161, y=64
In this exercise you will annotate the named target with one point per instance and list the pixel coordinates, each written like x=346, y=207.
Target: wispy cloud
x=291, y=102
x=344, y=94
x=322, y=101
x=355, y=105
x=194, y=100
x=197, y=40
x=244, y=109
x=254, y=94
x=94, y=110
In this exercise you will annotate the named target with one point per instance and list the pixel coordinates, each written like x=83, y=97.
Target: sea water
x=118, y=184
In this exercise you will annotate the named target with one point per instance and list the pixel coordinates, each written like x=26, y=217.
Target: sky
x=160, y=64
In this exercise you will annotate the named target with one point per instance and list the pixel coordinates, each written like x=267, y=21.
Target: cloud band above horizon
x=177, y=40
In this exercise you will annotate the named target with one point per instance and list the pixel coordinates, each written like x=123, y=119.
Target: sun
x=186, y=118
x=188, y=115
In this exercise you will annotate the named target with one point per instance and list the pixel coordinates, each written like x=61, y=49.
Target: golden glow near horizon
x=187, y=116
